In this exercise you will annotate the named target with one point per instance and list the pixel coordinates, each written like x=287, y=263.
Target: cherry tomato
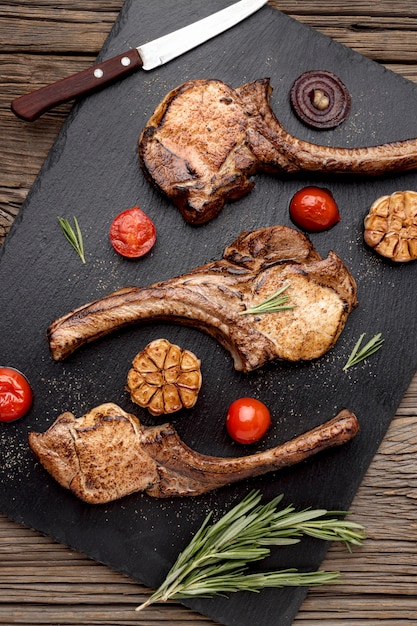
x=15, y=394
x=314, y=209
x=247, y=420
x=132, y=233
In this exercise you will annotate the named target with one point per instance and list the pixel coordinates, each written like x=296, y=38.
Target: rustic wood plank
x=47, y=38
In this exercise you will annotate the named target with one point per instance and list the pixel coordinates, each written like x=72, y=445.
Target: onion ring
x=320, y=99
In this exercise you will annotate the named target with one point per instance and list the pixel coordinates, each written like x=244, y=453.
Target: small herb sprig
x=215, y=561
x=74, y=237
x=275, y=302
x=358, y=354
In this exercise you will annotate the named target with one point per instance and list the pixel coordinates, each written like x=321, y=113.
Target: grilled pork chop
x=214, y=296
x=107, y=454
x=206, y=140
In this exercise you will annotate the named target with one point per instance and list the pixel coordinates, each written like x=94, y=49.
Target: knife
x=148, y=56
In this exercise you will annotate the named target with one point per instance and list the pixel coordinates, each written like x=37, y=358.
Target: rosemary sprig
x=215, y=561
x=272, y=304
x=75, y=238
x=359, y=354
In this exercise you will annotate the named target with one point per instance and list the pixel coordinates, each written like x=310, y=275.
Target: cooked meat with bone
x=107, y=454
x=205, y=141
x=212, y=298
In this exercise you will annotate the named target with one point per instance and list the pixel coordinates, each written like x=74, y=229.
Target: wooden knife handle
x=31, y=105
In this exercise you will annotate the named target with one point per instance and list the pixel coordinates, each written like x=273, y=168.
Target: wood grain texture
x=42, y=582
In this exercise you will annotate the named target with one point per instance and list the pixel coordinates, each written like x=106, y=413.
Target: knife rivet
x=98, y=73
x=125, y=61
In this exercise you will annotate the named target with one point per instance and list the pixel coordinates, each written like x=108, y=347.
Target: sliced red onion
x=320, y=99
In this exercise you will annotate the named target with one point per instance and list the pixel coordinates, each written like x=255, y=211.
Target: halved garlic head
x=391, y=226
x=164, y=378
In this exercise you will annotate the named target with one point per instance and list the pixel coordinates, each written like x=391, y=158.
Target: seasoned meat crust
x=107, y=454
x=213, y=296
x=205, y=141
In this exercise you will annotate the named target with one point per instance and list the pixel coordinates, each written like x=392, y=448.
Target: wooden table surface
x=42, y=582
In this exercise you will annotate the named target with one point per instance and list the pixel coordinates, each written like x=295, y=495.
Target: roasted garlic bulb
x=391, y=226
x=164, y=378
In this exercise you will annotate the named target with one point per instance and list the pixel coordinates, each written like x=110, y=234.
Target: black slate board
x=92, y=172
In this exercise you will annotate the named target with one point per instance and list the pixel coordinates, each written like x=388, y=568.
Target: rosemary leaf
x=359, y=354
x=73, y=237
x=294, y=525
x=255, y=582
x=216, y=559
x=275, y=302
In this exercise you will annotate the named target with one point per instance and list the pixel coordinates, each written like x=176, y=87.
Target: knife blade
x=32, y=105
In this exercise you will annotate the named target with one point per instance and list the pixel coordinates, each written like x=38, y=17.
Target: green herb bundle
x=215, y=561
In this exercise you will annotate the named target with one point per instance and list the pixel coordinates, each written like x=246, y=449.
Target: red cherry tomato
x=314, y=209
x=15, y=394
x=247, y=420
x=132, y=233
